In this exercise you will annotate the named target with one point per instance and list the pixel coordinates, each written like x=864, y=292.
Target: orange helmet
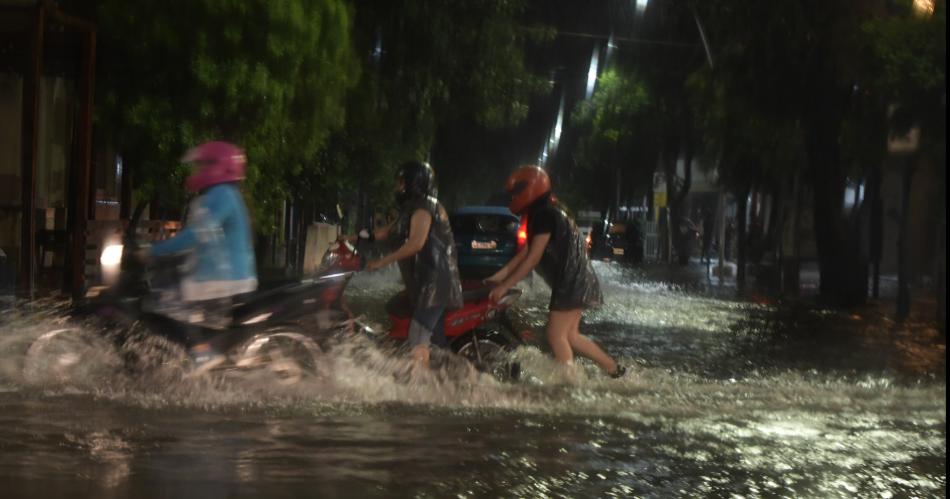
x=526, y=185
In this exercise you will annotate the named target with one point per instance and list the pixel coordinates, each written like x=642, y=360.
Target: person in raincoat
x=426, y=256
x=556, y=249
x=216, y=240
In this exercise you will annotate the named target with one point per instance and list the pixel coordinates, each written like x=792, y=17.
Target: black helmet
x=418, y=180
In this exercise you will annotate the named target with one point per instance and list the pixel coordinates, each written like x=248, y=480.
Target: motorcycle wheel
x=284, y=354
x=146, y=352
x=489, y=354
x=70, y=354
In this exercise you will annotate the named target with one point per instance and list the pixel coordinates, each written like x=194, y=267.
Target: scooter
x=271, y=330
x=481, y=331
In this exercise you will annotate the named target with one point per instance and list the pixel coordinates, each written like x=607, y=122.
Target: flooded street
x=723, y=399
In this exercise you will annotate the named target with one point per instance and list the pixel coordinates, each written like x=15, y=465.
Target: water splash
x=705, y=407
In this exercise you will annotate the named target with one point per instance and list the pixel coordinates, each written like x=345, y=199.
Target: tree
x=666, y=69
x=796, y=64
x=615, y=136
x=753, y=149
x=906, y=87
x=267, y=75
x=427, y=63
x=831, y=69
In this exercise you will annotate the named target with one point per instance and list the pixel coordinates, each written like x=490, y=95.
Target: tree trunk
x=876, y=233
x=841, y=276
x=903, y=251
x=792, y=267
x=616, y=204
x=361, y=215
x=722, y=234
x=676, y=196
x=941, y=267
x=941, y=276
x=779, y=240
x=672, y=211
x=662, y=233
x=742, y=210
x=125, y=194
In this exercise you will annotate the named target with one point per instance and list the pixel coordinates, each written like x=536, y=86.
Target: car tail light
x=523, y=233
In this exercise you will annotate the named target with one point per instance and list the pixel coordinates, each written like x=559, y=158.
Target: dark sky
x=483, y=158
x=480, y=160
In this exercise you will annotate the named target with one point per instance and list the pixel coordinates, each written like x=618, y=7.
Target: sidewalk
x=923, y=300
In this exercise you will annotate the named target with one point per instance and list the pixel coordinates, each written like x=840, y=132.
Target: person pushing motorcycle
x=557, y=250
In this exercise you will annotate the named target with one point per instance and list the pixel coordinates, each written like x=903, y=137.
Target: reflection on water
x=725, y=399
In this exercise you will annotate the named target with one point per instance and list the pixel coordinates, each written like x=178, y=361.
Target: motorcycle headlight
x=111, y=256
x=109, y=262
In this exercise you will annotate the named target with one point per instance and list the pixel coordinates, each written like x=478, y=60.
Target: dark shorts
x=427, y=326
x=585, y=295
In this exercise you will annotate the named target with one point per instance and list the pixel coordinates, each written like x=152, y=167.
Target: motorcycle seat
x=477, y=294
x=398, y=306
x=268, y=301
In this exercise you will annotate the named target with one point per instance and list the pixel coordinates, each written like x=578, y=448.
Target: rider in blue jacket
x=216, y=240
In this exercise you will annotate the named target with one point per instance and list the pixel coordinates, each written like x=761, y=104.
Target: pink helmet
x=219, y=162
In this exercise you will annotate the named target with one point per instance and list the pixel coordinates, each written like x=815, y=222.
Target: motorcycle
x=480, y=331
x=269, y=331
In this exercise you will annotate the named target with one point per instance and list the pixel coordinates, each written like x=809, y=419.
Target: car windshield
x=492, y=225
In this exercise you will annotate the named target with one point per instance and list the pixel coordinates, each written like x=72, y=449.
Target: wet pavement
x=724, y=399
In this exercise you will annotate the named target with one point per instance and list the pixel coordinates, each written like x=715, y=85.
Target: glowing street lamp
x=592, y=73
x=924, y=7
x=641, y=6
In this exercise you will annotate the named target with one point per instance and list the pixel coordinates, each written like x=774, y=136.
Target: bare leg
x=588, y=348
x=559, y=327
x=420, y=357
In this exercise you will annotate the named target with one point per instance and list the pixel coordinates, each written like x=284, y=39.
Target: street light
x=924, y=7
x=592, y=73
x=641, y=6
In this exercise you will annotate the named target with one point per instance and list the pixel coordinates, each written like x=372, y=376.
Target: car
x=587, y=235
x=621, y=242
x=486, y=238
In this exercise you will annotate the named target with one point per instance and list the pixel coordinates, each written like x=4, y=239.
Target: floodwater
x=722, y=399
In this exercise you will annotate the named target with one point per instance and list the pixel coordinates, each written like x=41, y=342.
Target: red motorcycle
x=480, y=331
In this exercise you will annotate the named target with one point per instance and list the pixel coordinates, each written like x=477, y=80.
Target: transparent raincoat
x=431, y=275
x=564, y=265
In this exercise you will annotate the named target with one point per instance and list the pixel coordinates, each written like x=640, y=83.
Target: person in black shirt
x=556, y=249
x=426, y=255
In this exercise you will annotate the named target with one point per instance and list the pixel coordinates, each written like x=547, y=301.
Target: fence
x=651, y=241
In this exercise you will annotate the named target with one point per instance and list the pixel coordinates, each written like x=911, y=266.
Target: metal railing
x=651, y=241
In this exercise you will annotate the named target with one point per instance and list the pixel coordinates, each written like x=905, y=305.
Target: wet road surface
x=723, y=399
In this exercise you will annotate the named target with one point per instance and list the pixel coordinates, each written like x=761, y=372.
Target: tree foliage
x=426, y=63
x=818, y=77
x=615, y=128
x=269, y=76
x=906, y=66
